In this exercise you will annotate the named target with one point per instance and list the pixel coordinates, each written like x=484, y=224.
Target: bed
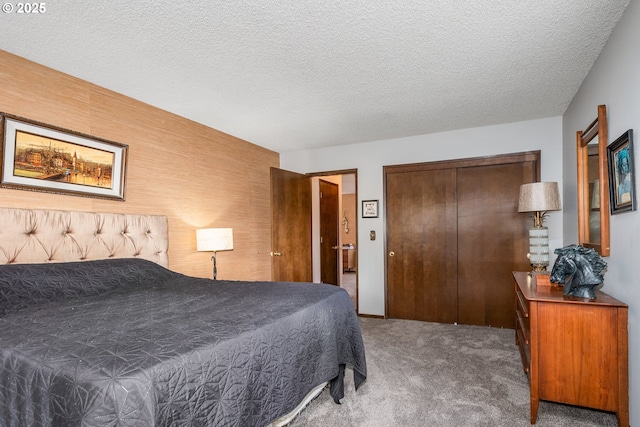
x=96, y=331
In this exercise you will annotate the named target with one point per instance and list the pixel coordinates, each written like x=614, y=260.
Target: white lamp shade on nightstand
x=214, y=239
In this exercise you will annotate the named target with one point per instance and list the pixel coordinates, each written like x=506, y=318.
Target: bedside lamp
x=214, y=240
x=539, y=198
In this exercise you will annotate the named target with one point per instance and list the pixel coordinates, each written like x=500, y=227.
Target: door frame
x=344, y=172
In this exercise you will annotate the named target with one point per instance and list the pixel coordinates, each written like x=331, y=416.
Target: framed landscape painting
x=40, y=157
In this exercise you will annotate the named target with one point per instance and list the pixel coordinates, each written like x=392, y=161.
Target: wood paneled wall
x=195, y=175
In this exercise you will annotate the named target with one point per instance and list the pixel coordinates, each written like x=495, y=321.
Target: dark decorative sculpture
x=580, y=269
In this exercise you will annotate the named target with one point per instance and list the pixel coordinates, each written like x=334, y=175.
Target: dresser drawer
x=525, y=351
x=522, y=304
x=523, y=331
x=523, y=323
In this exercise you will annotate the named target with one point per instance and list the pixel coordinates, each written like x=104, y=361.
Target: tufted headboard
x=36, y=236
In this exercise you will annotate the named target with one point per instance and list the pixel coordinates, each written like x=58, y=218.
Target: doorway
x=297, y=257
x=346, y=263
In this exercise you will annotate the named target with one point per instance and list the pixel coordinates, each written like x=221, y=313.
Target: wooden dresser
x=573, y=351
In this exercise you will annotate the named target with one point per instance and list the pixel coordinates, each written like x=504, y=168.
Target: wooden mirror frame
x=597, y=128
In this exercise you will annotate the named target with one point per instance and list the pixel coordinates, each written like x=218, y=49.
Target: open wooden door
x=290, y=227
x=329, y=248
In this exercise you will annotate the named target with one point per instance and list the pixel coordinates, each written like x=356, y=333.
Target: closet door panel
x=421, y=245
x=492, y=241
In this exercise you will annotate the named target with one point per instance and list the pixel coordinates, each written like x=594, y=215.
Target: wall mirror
x=593, y=185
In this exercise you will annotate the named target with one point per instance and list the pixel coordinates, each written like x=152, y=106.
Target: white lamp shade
x=539, y=197
x=214, y=239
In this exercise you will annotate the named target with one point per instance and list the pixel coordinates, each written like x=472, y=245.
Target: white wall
x=369, y=158
x=614, y=81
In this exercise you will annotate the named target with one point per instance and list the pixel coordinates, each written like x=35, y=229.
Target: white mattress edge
x=286, y=419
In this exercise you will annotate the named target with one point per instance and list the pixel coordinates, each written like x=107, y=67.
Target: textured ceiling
x=298, y=74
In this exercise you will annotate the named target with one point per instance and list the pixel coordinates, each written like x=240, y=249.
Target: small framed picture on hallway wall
x=369, y=209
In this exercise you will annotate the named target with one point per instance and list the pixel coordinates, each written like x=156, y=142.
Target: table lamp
x=214, y=240
x=539, y=198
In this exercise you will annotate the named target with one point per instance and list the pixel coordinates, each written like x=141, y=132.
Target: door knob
x=275, y=253
x=392, y=253
x=335, y=247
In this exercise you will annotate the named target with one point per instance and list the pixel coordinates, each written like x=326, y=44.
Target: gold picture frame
x=41, y=157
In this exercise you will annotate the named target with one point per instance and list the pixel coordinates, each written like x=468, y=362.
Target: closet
x=454, y=235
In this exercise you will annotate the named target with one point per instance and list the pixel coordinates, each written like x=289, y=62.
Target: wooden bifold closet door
x=454, y=235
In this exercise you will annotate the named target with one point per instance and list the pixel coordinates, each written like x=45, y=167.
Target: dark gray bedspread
x=127, y=342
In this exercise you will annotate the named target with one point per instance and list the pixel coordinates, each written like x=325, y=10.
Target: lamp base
x=215, y=269
x=539, y=248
